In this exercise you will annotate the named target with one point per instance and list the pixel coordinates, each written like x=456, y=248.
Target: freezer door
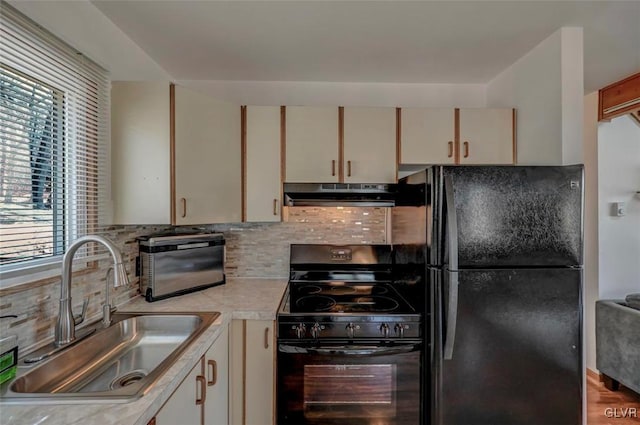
x=515, y=356
x=506, y=216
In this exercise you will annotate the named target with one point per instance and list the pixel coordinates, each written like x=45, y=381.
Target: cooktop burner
x=345, y=297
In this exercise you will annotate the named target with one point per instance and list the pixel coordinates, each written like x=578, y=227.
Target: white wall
x=87, y=29
x=546, y=87
x=590, y=225
x=344, y=94
x=618, y=181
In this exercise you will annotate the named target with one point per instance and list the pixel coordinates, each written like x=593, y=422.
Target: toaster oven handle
x=355, y=350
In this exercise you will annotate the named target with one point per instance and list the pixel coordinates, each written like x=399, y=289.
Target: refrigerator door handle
x=452, y=315
x=452, y=224
x=452, y=301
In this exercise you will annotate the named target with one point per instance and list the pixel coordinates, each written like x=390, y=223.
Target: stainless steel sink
x=116, y=364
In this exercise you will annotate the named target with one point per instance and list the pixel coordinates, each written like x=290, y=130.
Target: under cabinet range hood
x=339, y=194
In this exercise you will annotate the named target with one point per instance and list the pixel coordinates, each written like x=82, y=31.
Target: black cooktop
x=346, y=297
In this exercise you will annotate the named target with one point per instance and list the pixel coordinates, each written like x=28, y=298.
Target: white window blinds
x=54, y=133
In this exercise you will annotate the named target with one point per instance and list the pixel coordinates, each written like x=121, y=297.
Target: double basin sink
x=117, y=364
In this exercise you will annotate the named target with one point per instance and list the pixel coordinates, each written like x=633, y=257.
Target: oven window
x=349, y=391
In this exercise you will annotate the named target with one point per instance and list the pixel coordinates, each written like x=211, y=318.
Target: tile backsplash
x=253, y=250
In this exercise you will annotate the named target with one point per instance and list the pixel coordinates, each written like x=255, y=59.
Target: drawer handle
x=213, y=368
x=450, y=149
x=275, y=207
x=333, y=167
x=184, y=207
x=203, y=390
x=466, y=149
x=266, y=338
x=348, y=168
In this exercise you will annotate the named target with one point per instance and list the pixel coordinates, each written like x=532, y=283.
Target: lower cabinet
x=252, y=347
x=185, y=405
x=202, y=398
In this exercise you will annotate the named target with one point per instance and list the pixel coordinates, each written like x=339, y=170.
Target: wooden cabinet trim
x=172, y=151
x=341, y=144
x=613, y=97
x=244, y=372
x=456, y=135
x=514, y=136
x=243, y=161
x=283, y=155
x=398, y=139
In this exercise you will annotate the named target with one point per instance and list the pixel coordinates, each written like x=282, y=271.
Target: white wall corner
x=572, y=84
x=591, y=291
x=533, y=85
x=84, y=27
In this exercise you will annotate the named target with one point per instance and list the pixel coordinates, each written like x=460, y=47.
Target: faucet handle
x=79, y=318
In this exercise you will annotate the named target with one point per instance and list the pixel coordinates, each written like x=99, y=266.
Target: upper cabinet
x=457, y=136
x=140, y=153
x=427, y=136
x=369, y=138
x=486, y=136
x=208, y=186
x=263, y=163
x=175, y=156
x=331, y=144
x=312, y=149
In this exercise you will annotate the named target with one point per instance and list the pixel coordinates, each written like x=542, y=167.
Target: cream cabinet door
x=216, y=363
x=181, y=408
x=140, y=153
x=369, y=145
x=252, y=381
x=427, y=136
x=259, y=378
x=207, y=159
x=311, y=144
x=263, y=201
x=486, y=136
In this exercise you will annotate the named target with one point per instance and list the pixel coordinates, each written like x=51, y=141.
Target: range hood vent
x=340, y=194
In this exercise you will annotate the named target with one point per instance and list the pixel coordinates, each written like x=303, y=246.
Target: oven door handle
x=354, y=350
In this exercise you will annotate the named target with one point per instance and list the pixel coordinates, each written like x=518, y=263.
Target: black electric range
x=345, y=292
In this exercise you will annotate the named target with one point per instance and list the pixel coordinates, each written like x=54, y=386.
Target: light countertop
x=251, y=299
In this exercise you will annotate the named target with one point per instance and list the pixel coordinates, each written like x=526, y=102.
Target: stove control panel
x=348, y=330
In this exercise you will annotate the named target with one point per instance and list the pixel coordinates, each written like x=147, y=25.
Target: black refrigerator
x=502, y=253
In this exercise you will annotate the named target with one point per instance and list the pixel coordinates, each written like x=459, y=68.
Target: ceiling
x=363, y=41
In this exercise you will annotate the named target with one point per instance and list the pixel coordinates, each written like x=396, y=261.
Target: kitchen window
x=54, y=133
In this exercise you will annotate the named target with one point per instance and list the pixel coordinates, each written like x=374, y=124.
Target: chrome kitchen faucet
x=66, y=323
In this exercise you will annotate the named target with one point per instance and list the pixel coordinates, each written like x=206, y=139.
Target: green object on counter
x=8, y=358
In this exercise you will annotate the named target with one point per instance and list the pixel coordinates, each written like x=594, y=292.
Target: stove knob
x=384, y=330
x=399, y=330
x=315, y=330
x=351, y=330
x=301, y=329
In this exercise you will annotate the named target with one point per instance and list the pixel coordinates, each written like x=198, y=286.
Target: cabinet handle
x=213, y=368
x=266, y=338
x=184, y=207
x=275, y=207
x=333, y=167
x=203, y=390
x=348, y=168
x=466, y=149
x=450, y=149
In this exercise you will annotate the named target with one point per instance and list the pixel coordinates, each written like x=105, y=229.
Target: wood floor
x=602, y=403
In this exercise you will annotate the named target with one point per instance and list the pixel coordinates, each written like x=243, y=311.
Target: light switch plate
x=619, y=209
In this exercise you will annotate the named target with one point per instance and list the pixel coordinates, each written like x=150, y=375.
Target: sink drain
x=128, y=379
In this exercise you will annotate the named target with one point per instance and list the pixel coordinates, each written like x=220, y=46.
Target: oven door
x=333, y=384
